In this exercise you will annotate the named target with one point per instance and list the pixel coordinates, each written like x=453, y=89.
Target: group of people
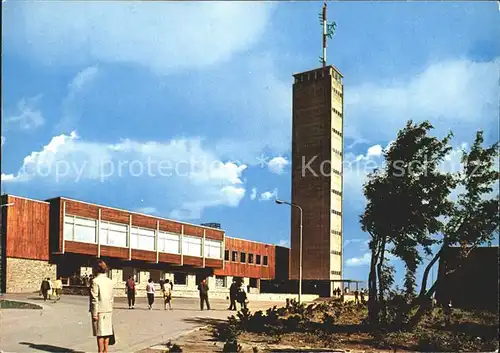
x=50, y=289
x=359, y=296
x=166, y=289
x=237, y=293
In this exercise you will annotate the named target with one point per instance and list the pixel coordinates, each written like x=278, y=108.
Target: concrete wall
x=25, y=276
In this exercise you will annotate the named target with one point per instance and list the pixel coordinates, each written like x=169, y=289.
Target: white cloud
x=457, y=94
x=253, y=195
x=268, y=195
x=28, y=116
x=147, y=210
x=184, y=176
x=3, y=140
x=160, y=36
x=375, y=151
x=277, y=165
x=77, y=87
x=83, y=78
x=359, y=261
x=284, y=242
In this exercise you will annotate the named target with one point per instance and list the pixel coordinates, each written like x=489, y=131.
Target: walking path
x=65, y=326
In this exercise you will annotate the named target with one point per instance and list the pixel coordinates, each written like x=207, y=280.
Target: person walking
x=167, y=294
x=203, y=288
x=101, y=306
x=356, y=297
x=130, y=290
x=233, y=292
x=57, y=289
x=44, y=288
x=150, y=290
x=242, y=296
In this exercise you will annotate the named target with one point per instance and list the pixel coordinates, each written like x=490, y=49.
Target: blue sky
x=90, y=87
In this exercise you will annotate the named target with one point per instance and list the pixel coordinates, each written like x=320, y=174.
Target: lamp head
x=279, y=202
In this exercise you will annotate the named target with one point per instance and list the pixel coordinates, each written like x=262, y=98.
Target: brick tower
x=317, y=145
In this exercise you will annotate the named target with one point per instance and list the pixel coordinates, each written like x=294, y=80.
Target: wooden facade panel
x=115, y=216
x=81, y=209
x=143, y=255
x=144, y=221
x=27, y=228
x=112, y=251
x=193, y=261
x=214, y=234
x=168, y=226
x=214, y=263
x=193, y=230
x=80, y=248
x=239, y=269
x=170, y=258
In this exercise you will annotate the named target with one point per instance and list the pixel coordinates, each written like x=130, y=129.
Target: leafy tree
x=409, y=209
x=405, y=200
x=474, y=216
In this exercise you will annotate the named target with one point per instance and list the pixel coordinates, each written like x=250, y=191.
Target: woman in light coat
x=101, y=306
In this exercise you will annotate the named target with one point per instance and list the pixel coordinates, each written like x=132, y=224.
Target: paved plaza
x=65, y=326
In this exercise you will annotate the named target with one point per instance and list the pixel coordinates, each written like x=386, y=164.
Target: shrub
x=173, y=348
x=231, y=346
x=328, y=322
x=227, y=331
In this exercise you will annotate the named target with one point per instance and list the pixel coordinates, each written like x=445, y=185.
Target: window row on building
x=252, y=259
x=337, y=91
x=337, y=132
x=336, y=151
x=84, y=230
x=336, y=192
x=337, y=112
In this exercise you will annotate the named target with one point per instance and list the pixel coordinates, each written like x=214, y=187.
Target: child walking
x=167, y=294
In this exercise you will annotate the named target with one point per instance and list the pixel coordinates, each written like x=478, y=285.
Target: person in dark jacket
x=44, y=288
x=233, y=292
x=203, y=288
x=130, y=289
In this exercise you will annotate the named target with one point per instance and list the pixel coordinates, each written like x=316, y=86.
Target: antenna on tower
x=328, y=32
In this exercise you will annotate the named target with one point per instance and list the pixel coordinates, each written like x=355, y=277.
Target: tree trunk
x=372, y=287
x=425, y=277
x=423, y=305
x=381, y=308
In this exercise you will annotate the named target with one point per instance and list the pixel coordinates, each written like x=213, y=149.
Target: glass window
x=213, y=249
x=191, y=246
x=250, y=258
x=257, y=259
x=141, y=238
x=69, y=222
x=80, y=229
x=253, y=282
x=113, y=234
x=169, y=242
x=226, y=255
x=234, y=256
x=243, y=257
x=220, y=281
x=265, y=261
x=180, y=278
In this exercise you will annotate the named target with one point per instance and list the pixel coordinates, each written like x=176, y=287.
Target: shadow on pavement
x=49, y=348
x=204, y=321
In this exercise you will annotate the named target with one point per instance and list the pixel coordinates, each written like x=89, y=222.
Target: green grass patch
x=11, y=304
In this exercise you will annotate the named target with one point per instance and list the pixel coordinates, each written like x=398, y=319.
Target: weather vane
x=328, y=32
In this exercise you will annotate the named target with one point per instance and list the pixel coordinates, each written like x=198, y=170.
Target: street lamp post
x=281, y=202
